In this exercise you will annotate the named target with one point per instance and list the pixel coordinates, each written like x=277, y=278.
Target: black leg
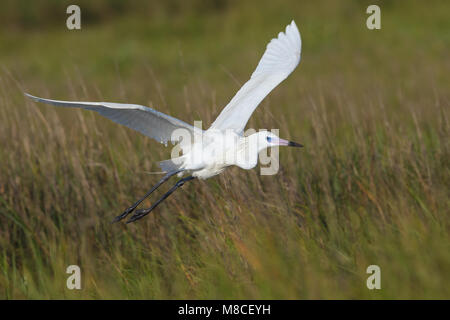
x=143, y=212
x=131, y=209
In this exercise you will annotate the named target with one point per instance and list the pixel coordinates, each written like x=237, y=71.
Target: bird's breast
x=216, y=152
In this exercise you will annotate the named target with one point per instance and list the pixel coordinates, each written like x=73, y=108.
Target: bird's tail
x=171, y=165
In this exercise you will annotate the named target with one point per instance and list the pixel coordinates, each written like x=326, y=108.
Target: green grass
x=370, y=187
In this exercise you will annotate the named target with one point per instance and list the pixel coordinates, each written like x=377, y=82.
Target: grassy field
x=370, y=187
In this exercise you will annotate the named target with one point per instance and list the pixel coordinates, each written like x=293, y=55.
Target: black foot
x=134, y=206
x=143, y=212
x=124, y=214
x=139, y=214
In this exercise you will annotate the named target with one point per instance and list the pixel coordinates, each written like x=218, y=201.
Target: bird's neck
x=248, y=151
x=253, y=144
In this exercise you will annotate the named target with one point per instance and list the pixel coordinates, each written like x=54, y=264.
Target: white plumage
x=281, y=57
x=149, y=122
x=223, y=144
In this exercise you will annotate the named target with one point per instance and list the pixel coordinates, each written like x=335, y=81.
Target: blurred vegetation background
x=370, y=187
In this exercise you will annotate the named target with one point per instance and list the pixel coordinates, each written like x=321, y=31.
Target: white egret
x=224, y=137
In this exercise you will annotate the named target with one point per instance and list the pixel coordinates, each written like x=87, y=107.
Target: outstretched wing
x=147, y=121
x=281, y=57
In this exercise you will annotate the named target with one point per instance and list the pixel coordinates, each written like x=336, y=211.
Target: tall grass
x=370, y=187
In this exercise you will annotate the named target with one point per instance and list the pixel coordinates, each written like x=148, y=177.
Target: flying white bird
x=209, y=153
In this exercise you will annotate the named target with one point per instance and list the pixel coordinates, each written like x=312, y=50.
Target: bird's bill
x=288, y=143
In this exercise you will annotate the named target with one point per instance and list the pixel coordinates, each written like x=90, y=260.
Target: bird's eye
x=269, y=139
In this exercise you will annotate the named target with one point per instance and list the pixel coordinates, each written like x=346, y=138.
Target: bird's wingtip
x=293, y=24
x=293, y=29
x=29, y=95
x=37, y=99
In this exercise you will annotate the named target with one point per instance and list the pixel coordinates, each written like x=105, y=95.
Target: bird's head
x=266, y=139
